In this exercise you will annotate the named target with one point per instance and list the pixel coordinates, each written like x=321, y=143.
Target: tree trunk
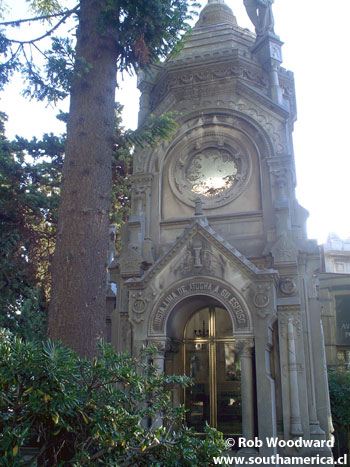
x=77, y=314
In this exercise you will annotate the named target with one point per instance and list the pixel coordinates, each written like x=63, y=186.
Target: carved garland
x=233, y=71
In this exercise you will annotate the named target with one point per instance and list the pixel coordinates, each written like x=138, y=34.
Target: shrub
x=114, y=410
x=339, y=392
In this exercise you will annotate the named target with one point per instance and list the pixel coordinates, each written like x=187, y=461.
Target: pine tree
x=112, y=36
x=28, y=213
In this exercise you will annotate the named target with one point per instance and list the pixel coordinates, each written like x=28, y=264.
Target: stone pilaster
x=295, y=415
x=268, y=51
x=245, y=349
x=141, y=214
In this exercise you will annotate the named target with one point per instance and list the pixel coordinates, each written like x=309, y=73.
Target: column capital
x=245, y=347
x=162, y=345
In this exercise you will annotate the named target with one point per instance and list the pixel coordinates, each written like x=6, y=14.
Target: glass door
x=213, y=363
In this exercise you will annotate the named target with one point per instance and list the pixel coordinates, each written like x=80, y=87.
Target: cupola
x=216, y=12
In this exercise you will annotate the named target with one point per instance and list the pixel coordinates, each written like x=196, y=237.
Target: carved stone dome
x=216, y=12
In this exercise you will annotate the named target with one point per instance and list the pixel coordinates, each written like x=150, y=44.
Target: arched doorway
x=212, y=359
x=227, y=344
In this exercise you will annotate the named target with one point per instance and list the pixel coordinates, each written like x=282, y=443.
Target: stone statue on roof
x=260, y=14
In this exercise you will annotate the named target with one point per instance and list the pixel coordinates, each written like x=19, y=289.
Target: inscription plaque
x=222, y=293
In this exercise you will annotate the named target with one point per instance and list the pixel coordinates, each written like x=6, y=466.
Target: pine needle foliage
x=29, y=189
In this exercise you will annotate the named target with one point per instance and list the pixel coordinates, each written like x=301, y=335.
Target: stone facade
x=334, y=293
x=336, y=255
x=215, y=225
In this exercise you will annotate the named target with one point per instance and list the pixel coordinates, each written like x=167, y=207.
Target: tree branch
x=47, y=33
x=39, y=50
x=38, y=18
x=13, y=55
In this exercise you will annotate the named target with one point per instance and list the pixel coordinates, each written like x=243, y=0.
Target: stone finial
x=198, y=211
x=216, y=12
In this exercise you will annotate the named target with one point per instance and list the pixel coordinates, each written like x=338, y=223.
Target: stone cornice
x=250, y=215
x=246, y=91
x=229, y=65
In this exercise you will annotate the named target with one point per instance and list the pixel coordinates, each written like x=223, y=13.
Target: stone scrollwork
x=187, y=262
x=261, y=299
x=161, y=345
x=139, y=306
x=288, y=286
x=199, y=259
x=260, y=296
x=281, y=184
x=244, y=347
x=215, y=166
x=175, y=346
x=233, y=70
x=141, y=185
x=231, y=128
x=139, y=301
x=284, y=250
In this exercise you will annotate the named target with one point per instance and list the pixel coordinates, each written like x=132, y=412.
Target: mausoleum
x=216, y=269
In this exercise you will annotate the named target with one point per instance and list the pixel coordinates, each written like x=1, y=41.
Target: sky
x=316, y=48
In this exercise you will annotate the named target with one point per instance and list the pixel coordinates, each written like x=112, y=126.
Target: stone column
x=325, y=376
x=245, y=348
x=295, y=416
x=276, y=91
x=158, y=362
x=159, y=357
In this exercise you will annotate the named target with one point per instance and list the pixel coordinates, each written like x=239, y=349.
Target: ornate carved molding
x=162, y=345
x=141, y=185
x=191, y=287
x=251, y=110
x=284, y=250
x=245, y=347
x=199, y=258
x=260, y=127
x=280, y=182
x=288, y=286
x=190, y=168
x=178, y=80
x=139, y=302
x=286, y=315
x=229, y=253
x=260, y=295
